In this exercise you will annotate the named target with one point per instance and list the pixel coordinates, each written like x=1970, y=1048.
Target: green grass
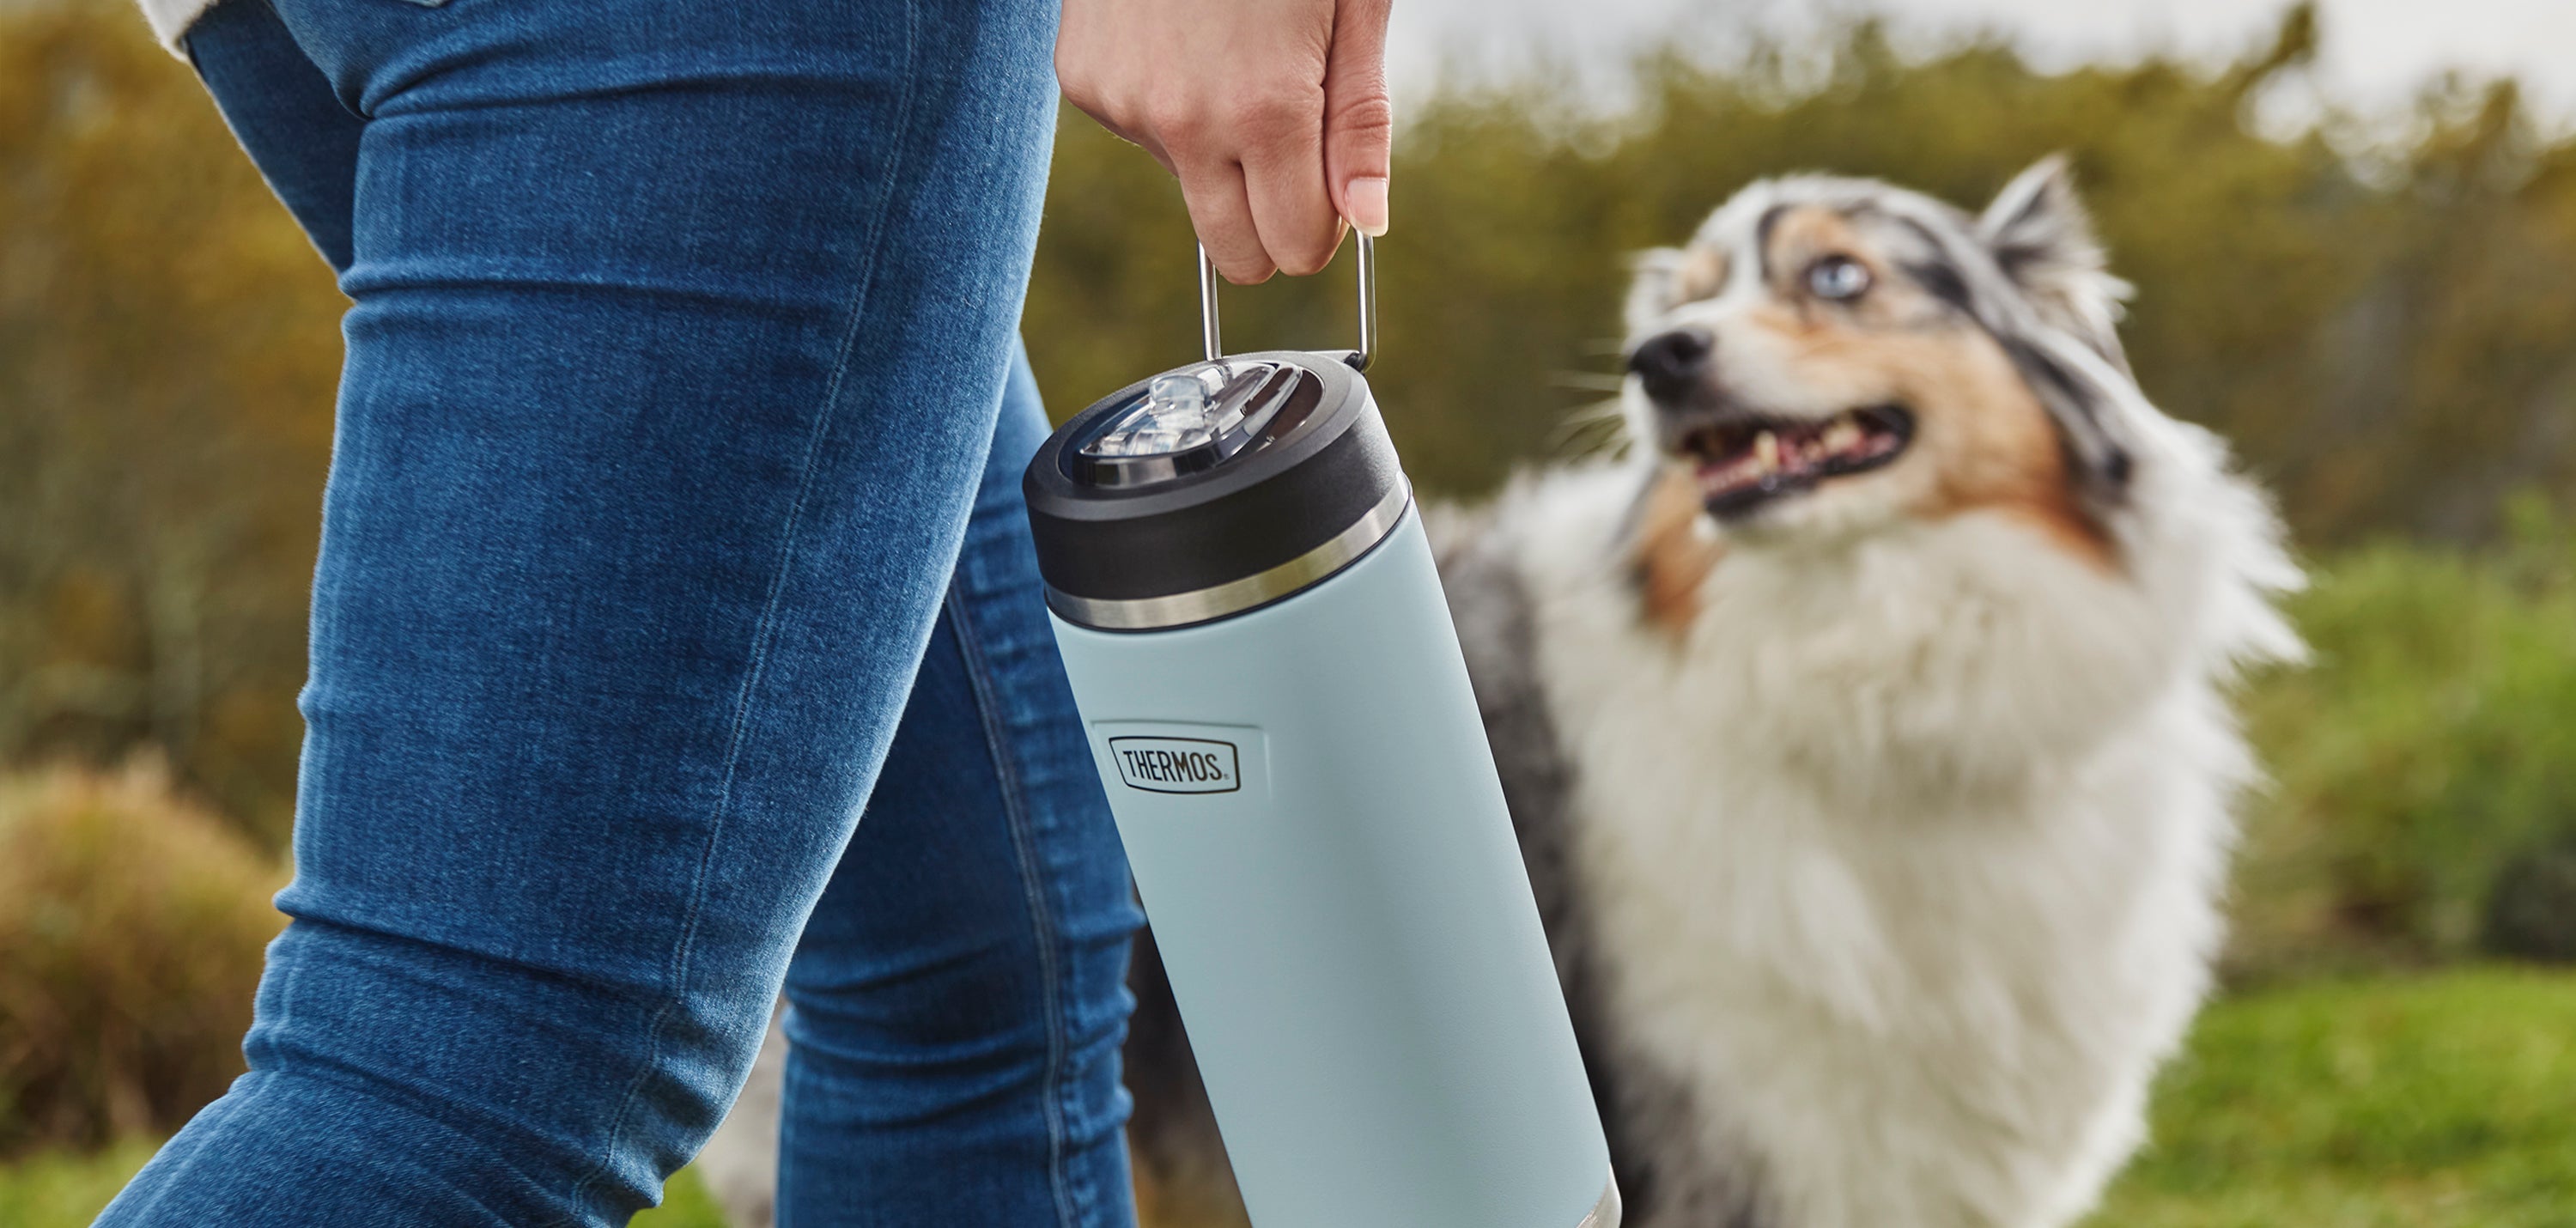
x=54, y=1190
x=2446, y=1100
x=685, y=1204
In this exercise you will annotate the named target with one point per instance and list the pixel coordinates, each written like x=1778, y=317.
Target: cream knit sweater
x=171, y=18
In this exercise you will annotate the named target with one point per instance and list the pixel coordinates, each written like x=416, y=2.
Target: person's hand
x=1272, y=113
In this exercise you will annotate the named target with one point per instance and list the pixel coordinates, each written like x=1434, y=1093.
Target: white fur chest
x=1903, y=865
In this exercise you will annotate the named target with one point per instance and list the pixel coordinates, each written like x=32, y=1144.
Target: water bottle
x=1258, y=644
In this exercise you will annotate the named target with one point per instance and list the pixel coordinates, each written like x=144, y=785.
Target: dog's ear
x=1651, y=288
x=2043, y=240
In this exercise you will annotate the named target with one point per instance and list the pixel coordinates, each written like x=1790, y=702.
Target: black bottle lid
x=1212, y=489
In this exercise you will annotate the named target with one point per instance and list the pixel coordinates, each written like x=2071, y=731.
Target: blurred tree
x=2391, y=344
x=2387, y=334
x=167, y=356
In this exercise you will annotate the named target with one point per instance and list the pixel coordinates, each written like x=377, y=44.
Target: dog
x=1864, y=725
x=1865, y=728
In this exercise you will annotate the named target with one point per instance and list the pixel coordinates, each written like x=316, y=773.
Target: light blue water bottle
x=1257, y=640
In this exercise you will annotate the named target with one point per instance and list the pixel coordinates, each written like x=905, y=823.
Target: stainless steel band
x=1605, y=1213
x=1236, y=596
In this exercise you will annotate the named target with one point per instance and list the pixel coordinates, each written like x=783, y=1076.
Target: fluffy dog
x=1865, y=729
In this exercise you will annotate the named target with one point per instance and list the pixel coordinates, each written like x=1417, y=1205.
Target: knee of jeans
x=967, y=1002
x=590, y=1091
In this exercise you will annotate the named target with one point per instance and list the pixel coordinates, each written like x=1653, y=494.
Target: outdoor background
x=2363, y=274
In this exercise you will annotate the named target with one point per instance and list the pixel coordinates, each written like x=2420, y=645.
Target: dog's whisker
x=1595, y=430
x=1603, y=410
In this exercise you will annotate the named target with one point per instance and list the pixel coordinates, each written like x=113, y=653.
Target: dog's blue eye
x=1838, y=278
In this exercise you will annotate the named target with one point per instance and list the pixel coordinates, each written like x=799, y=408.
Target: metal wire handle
x=1213, y=339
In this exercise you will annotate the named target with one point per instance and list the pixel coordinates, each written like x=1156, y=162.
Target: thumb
x=1359, y=121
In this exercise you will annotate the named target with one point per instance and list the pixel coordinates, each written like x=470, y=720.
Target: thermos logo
x=1176, y=765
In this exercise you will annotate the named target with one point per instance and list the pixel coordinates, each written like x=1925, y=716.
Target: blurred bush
x=2531, y=913
x=131, y=930
x=2432, y=741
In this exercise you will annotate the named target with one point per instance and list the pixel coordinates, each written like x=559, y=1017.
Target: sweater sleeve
x=170, y=20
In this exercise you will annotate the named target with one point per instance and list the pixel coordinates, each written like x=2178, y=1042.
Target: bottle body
x=1310, y=806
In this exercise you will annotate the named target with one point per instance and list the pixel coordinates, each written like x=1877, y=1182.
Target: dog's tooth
x=1766, y=451
x=1841, y=435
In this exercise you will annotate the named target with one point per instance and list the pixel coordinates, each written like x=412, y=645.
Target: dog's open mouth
x=1750, y=459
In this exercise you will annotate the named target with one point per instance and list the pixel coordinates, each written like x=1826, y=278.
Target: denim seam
x=765, y=632
x=1015, y=810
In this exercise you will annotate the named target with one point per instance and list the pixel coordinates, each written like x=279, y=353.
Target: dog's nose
x=1669, y=363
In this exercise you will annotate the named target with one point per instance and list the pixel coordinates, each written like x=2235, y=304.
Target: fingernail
x=1367, y=200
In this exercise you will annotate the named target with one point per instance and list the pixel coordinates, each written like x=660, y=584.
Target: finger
x=1359, y=118
x=1221, y=211
x=1283, y=176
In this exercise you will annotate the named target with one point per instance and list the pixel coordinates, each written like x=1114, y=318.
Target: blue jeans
x=673, y=520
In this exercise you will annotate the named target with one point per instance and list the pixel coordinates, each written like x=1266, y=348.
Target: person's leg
x=678, y=336
x=958, y=998
x=281, y=108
